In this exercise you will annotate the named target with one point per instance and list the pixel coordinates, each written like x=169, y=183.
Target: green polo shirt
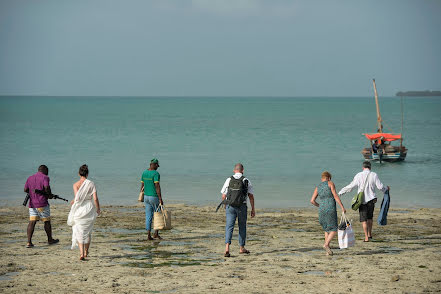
x=149, y=178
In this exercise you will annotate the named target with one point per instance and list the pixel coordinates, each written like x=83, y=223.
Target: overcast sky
x=219, y=48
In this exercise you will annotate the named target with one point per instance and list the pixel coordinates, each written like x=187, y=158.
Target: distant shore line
x=419, y=94
x=399, y=94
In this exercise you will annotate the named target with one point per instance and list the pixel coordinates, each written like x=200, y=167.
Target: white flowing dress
x=82, y=214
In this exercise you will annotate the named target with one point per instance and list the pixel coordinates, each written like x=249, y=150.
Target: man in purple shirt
x=38, y=204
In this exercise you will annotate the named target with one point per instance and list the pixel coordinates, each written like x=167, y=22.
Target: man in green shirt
x=152, y=195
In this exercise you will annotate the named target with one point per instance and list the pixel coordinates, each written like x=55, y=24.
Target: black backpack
x=237, y=192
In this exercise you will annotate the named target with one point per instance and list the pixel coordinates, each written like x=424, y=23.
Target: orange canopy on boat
x=384, y=136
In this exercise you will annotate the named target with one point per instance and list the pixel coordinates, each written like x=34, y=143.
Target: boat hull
x=388, y=156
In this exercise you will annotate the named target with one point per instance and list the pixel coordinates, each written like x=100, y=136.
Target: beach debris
x=395, y=278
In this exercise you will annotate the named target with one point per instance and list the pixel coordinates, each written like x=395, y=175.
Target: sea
x=283, y=143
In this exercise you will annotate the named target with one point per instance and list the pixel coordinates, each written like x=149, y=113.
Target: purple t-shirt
x=37, y=181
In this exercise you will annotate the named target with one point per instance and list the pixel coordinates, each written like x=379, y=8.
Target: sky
x=219, y=47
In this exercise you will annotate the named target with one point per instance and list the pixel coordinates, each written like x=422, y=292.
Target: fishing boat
x=380, y=143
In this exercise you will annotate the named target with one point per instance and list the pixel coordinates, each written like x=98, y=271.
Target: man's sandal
x=227, y=254
x=244, y=252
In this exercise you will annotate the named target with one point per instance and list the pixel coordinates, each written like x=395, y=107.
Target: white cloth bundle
x=346, y=237
x=82, y=214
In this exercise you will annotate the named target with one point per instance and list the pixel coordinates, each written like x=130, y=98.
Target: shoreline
x=285, y=244
x=346, y=202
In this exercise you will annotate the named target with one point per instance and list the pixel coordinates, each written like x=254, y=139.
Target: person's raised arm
x=314, y=197
x=158, y=191
x=97, y=202
x=349, y=187
x=334, y=193
x=251, y=197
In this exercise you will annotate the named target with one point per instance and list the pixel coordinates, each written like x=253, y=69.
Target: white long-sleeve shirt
x=359, y=180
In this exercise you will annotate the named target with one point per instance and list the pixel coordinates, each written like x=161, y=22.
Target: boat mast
x=379, y=120
x=402, y=116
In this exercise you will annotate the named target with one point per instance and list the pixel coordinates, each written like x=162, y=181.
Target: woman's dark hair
x=84, y=170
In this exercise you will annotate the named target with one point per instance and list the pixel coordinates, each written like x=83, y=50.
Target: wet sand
x=286, y=254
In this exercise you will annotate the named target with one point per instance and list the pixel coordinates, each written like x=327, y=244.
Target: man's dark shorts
x=367, y=211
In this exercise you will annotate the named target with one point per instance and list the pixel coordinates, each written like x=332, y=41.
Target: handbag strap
x=365, y=182
x=159, y=207
x=344, y=218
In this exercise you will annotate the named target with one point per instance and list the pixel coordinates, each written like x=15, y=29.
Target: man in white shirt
x=235, y=192
x=366, y=209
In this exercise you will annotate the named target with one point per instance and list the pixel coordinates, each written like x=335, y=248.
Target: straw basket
x=162, y=219
x=141, y=195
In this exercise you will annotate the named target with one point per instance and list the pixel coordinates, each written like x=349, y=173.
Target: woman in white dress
x=83, y=212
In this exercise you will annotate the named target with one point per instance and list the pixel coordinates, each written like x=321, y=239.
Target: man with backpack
x=235, y=192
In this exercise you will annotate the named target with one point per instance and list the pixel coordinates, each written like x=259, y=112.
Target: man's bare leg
x=227, y=248
x=30, y=231
x=48, y=229
x=369, y=224
x=365, y=229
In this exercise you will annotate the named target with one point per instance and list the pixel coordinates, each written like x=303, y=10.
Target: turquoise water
x=284, y=143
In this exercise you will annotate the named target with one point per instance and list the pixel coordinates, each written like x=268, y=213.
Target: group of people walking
x=85, y=207
x=236, y=192
x=365, y=181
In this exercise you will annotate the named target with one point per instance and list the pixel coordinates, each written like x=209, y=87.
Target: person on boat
x=375, y=147
x=38, y=204
x=83, y=213
x=366, y=210
x=152, y=195
x=235, y=192
x=328, y=197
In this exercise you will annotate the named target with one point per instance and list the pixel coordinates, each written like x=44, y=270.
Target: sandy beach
x=286, y=254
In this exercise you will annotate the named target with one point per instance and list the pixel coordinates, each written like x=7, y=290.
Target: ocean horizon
x=284, y=143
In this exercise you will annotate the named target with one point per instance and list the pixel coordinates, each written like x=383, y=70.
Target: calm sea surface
x=284, y=144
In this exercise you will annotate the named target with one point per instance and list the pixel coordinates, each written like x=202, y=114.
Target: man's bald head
x=238, y=168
